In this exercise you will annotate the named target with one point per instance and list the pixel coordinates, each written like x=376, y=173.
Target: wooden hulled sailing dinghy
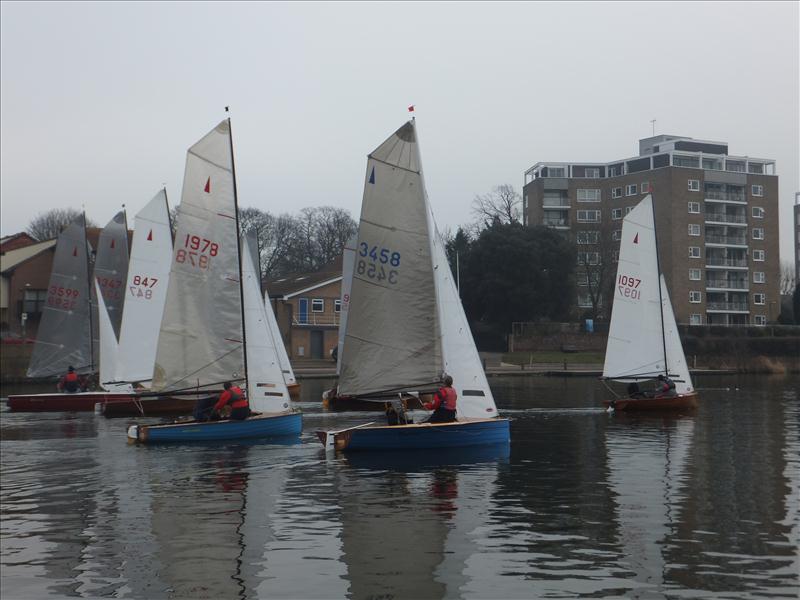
x=405, y=325
x=65, y=332
x=643, y=340
x=214, y=327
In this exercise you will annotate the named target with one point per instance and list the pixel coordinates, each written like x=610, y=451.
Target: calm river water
x=582, y=504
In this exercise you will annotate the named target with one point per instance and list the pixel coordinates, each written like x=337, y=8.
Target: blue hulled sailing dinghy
x=405, y=325
x=215, y=328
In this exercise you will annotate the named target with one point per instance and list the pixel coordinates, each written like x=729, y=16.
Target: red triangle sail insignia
x=150, y=236
x=636, y=239
x=208, y=186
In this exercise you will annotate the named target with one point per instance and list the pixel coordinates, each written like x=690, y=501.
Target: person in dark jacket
x=204, y=409
x=70, y=383
x=233, y=395
x=444, y=403
x=665, y=387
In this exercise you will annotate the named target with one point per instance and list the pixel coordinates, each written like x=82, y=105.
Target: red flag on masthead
x=411, y=108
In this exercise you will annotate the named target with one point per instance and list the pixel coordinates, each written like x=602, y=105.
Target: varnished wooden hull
x=294, y=391
x=79, y=401
x=673, y=403
x=147, y=407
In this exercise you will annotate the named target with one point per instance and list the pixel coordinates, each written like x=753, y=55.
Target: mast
x=89, y=296
x=239, y=249
x=660, y=299
x=169, y=216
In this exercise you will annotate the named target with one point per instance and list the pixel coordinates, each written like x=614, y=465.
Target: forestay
x=201, y=338
x=635, y=342
x=394, y=341
x=111, y=267
x=64, y=335
x=145, y=291
x=266, y=390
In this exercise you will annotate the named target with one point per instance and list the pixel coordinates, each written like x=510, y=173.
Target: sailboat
x=406, y=327
x=213, y=306
x=643, y=339
x=65, y=332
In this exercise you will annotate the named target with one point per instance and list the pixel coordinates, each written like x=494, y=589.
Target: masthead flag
x=411, y=108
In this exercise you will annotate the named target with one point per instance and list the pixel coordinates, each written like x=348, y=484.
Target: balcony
x=714, y=196
x=726, y=240
x=555, y=222
x=555, y=204
x=727, y=285
x=737, y=307
x=316, y=320
x=713, y=261
x=725, y=218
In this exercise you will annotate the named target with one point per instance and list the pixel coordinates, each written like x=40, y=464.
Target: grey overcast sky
x=101, y=100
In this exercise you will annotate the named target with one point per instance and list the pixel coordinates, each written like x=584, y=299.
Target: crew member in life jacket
x=234, y=396
x=444, y=403
x=665, y=387
x=69, y=383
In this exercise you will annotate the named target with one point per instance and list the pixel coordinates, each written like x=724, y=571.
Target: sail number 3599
x=373, y=267
x=628, y=287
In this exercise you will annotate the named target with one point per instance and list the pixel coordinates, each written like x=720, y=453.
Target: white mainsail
x=266, y=389
x=64, y=337
x=635, y=347
x=201, y=338
x=643, y=340
x=394, y=343
x=109, y=348
x=348, y=264
x=145, y=291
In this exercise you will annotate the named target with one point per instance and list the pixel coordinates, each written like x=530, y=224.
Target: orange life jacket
x=71, y=377
x=237, y=398
x=448, y=398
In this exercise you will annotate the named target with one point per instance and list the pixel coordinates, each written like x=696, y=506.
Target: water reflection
x=581, y=504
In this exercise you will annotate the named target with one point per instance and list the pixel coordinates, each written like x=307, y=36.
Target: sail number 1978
x=628, y=286
x=197, y=251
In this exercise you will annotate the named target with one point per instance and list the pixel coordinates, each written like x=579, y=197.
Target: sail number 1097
x=628, y=287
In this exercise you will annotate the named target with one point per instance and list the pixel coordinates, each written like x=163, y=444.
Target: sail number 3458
x=628, y=287
x=373, y=267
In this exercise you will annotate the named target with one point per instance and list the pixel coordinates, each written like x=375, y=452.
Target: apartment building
x=716, y=222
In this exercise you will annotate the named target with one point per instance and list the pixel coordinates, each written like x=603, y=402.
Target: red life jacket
x=448, y=398
x=71, y=377
x=237, y=398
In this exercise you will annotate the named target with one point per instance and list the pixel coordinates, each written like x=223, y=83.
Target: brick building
x=717, y=225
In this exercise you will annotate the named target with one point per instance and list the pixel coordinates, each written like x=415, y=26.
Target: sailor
x=69, y=383
x=234, y=396
x=204, y=409
x=444, y=403
x=665, y=387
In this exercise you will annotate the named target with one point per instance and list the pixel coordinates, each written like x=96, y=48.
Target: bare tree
x=597, y=268
x=502, y=203
x=333, y=227
x=49, y=224
x=787, y=280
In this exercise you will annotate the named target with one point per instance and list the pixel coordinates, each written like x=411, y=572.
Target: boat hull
x=419, y=435
x=260, y=426
x=148, y=407
x=679, y=402
x=294, y=390
x=80, y=401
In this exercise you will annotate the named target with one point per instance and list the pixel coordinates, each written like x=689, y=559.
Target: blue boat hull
x=422, y=435
x=261, y=426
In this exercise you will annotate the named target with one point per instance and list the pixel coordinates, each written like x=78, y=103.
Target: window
x=588, y=216
x=758, y=190
x=585, y=195
x=629, y=209
x=694, y=185
x=695, y=319
x=588, y=258
x=758, y=212
x=759, y=299
x=694, y=275
x=615, y=256
x=694, y=229
x=616, y=235
x=630, y=190
x=317, y=305
x=646, y=187
x=588, y=237
x=584, y=300
x=759, y=320
x=582, y=279
x=759, y=277
x=616, y=214
x=337, y=305
x=758, y=255
x=591, y=172
x=616, y=192
x=695, y=297
x=556, y=172
x=694, y=208
x=34, y=301
x=758, y=233
x=694, y=251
